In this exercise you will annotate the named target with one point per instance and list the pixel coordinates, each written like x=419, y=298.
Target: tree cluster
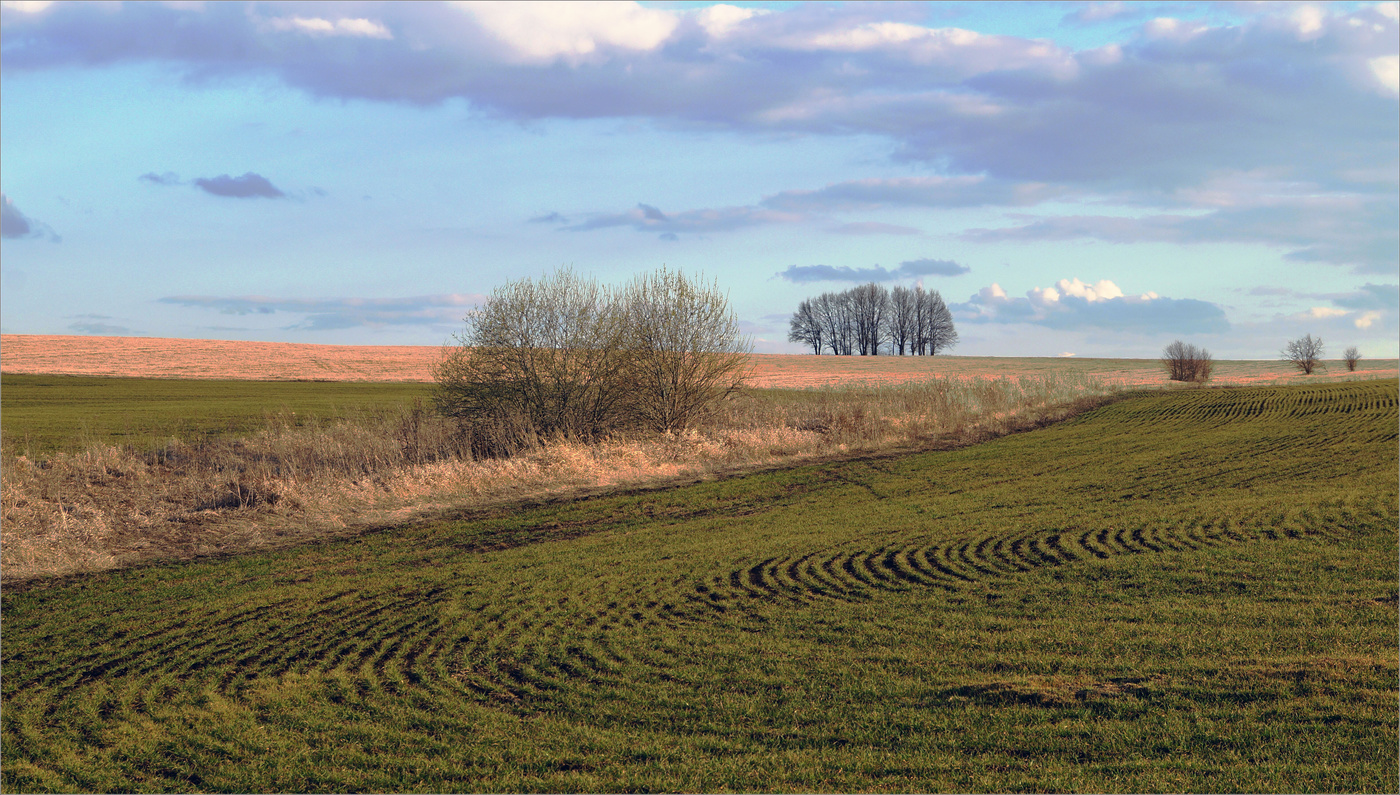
x=563, y=356
x=1185, y=362
x=869, y=318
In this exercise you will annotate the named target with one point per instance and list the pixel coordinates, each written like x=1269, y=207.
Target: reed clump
x=108, y=507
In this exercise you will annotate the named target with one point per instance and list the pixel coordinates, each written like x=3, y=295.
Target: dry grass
x=112, y=507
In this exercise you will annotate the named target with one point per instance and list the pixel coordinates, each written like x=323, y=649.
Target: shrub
x=565, y=357
x=1187, y=363
x=1351, y=356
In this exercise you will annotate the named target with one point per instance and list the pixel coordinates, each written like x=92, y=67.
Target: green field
x=48, y=413
x=1192, y=590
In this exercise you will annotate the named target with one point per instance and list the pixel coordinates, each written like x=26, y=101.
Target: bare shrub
x=685, y=353
x=540, y=359
x=1188, y=363
x=1351, y=356
x=565, y=357
x=1305, y=353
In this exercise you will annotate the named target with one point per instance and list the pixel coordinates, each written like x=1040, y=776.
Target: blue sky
x=1088, y=178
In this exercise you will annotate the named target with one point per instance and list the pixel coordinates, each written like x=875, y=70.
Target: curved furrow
x=940, y=576
x=884, y=577
x=815, y=577
x=902, y=564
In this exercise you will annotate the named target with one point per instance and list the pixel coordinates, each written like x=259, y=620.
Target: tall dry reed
x=109, y=507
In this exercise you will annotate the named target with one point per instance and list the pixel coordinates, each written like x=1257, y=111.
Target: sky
x=1089, y=179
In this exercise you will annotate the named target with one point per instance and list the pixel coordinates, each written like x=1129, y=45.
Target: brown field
x=150, y=357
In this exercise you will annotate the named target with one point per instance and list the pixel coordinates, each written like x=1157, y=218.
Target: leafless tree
x=903, y=319
x=540, y=358
x=563, y=356
x=1305, y=353
x=1351, y=356
x=685, y=353
x=806, y=326
x=936, y=330
x=871, y=303
x=1187, y=363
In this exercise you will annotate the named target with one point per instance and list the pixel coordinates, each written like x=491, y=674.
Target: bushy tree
x=1188, y=363
x=564, y=356
x=1305, y=353
x=684, y=350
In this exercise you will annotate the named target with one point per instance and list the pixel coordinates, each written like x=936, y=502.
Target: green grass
x=49, y=413
x=1183, y=591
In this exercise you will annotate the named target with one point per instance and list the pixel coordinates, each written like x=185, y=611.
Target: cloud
x=340, y=313
x=549, y=218
x=92, y=324
x=166, y=179
x=1335, y=230
x=647, y=218
x=874, y=228
x=316, y=26
x=1076, y=305
x=1305, y=94
x=16, y=225
x=248, y=186
x=932, y=267
x=864, y=194
x=803, y=274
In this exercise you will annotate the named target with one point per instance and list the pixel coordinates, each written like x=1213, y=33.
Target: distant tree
x=1187, y=363
x=871, y=303
x=903, y=319
x=1305, y=353
x=1351, y=356
x=936, y=330
x=806, y=326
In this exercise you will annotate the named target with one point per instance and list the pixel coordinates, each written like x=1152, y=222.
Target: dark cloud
x=1347, y=231
x=549, y=218
x=168, y=178
x=864, y=194
x=1061, y=310
x=669, y=237
x=1370, y=296
x=803, y=274
x=932, y=267
x=15, y=224
x=874, y=228
x=248, y=186
x=1308, y=98
x=340, y=313
x=93, y=324
x=646, y=218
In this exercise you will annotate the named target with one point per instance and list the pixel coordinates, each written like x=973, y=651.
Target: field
x=142, y=357
x=1183, y=590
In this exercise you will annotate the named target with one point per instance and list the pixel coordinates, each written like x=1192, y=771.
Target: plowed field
x=280, y=361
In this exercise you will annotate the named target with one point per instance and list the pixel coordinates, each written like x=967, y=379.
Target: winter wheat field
x=259, y=567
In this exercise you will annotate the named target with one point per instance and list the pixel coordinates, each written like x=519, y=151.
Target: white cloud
x=1387, y=71
x=26, y=6
x=1074, y=304
x=544, y=31
x=1323, y=312
x=1367, y=318
x=1308, y=19
x=316, y=26
x=720, y=20
x=1390, y=9
x=1103, y=291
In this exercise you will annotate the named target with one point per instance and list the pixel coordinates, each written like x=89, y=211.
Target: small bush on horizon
x=1187, y=363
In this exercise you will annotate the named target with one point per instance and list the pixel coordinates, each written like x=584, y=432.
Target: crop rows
x=413, y=628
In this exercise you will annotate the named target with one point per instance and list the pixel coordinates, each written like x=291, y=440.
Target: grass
x=301, y=477
x=1184, y=591
x=44, y=414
